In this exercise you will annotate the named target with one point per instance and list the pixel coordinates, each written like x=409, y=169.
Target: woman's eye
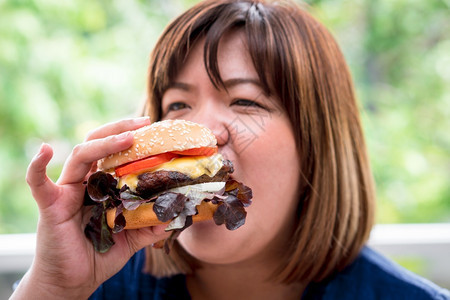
x=177, y=106
x=247, y=103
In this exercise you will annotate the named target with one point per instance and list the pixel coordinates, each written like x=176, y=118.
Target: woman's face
x=254, y=132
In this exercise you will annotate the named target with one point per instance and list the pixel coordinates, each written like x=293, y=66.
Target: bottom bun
x=144, y=216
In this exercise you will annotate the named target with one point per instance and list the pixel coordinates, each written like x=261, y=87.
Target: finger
x=80, y=161
x=139, y=238
x=42, y=188
x=128, y=242
x=159, y=229
x=117, y=127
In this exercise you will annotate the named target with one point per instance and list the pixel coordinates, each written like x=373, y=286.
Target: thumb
x=139, y=238
x=42, y=188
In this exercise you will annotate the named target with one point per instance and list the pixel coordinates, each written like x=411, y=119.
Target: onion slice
x=200, y=187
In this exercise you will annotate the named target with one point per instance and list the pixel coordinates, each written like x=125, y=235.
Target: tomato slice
x=202, y=151
x=145, y=163
x=155, y=160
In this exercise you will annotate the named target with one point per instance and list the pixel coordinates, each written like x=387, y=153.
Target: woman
x=274, y=88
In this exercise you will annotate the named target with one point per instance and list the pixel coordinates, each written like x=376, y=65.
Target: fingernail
x=142, y=120
x=123, y=135
x=41, y=149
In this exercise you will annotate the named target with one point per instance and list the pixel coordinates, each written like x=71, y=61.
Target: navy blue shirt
x=370, y=276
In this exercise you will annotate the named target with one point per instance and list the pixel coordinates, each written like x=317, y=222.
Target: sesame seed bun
x=161, y=137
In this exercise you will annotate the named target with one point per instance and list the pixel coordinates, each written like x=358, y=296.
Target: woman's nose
x=222, y=134
x=218, y=127
x=217, y=122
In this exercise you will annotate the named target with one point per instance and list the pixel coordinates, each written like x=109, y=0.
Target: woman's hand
x=66, y=264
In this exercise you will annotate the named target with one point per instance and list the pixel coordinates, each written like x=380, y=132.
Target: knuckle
x=32, y=169
x=28, y=178
x=132, y=247
x=35, y=180
x=77, y=150
x=114, y=138
x=90, y=135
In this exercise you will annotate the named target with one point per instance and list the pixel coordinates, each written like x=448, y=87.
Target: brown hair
x=306, y=70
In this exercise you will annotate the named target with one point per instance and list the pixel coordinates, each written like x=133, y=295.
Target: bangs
x=244, y=17
x=258, y=23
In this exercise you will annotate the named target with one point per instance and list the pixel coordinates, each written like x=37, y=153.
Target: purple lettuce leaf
x=97, y=230
x=169, y=205
x=230, y=212
x=101, y=186
x=241, y=191
x=119, y=222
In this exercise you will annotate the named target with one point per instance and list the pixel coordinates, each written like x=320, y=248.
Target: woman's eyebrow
x=232, y=82
x=237, y=81
x=228, y=83
x=180, y=86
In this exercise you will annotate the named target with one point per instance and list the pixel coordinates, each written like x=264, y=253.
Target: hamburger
x=172, y=174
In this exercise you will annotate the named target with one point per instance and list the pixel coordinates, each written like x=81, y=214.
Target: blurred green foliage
x=399, y=53
x=69, y=66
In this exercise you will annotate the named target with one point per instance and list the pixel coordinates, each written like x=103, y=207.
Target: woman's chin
x=210, y=243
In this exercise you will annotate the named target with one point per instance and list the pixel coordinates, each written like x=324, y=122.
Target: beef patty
x=154, y=182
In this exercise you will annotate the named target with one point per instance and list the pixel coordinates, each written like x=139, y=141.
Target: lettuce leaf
x=169, y=205
x=101, y=186
x=98, y=231
x=101, y=192
x=231, y=210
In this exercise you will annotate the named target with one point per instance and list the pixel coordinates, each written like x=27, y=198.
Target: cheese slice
x=194, y=166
